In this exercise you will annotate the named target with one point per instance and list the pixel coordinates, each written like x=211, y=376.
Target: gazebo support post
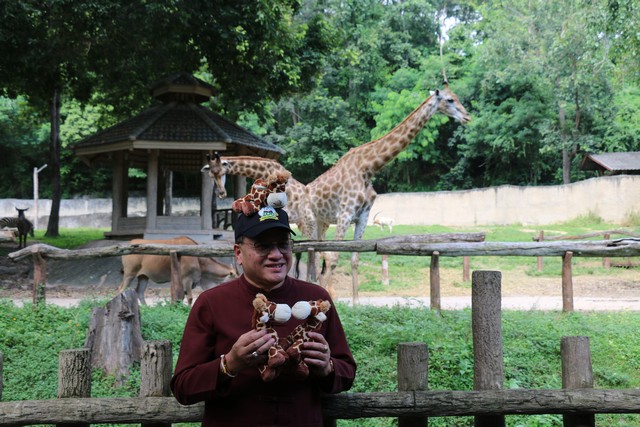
x=152, y=190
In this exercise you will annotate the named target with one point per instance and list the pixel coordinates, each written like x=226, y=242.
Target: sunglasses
x=265, y=248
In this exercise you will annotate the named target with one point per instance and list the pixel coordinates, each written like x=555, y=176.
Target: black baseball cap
x=265, y=219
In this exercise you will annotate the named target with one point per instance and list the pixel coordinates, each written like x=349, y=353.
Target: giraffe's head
x=449, y=104
x=218, y=172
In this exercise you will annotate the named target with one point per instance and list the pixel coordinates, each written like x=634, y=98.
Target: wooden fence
x=412, y=404
x=455, y=245
x=605, y=235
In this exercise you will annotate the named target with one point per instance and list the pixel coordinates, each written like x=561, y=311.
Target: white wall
x=612, y=198
x=85, y=212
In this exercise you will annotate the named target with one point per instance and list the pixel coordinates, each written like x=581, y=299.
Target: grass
x=68, y=238
x=407, y=273
x=31, y=339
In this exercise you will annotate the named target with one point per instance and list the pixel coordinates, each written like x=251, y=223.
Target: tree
x=544, y=52
x=43, y=44
x=315, y=130
x=114, y=49
x=419, y=166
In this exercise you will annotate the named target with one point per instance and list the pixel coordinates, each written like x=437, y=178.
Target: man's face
x=265, y=259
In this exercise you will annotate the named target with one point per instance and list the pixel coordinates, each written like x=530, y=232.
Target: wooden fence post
x=39, y=278
x=311, y=265
x=577, y=373
x=177, y=291
x=466, y=261
x=567, y=283
x=74, y=376
x=540, y=239
x=486, y=324
x=355, y=261
x=156, y=366
x=434, y=279
x=385, y=270
x=413, y=375
x=606, y=261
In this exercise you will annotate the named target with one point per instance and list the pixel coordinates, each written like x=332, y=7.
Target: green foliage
x=106, y=54
x=31, y=341
x=621, y=134
x=318, y=78
x=323, y=129
x=22, y=147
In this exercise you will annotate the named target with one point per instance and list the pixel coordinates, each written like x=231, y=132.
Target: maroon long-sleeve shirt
x=218, y=317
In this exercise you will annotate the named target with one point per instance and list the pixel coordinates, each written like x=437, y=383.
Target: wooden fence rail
x=619, y=248
x=458, y=245
x=606, y=235
x=435, y=403
x=413, y=403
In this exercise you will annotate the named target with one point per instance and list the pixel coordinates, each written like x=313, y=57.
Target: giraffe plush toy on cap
x=265, y=312
x=314, y=313
x=264, y=192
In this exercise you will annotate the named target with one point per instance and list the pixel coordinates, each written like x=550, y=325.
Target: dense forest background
x=545, y=83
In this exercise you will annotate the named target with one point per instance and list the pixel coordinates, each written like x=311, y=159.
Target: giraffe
x=344, y=193
x=297, y=208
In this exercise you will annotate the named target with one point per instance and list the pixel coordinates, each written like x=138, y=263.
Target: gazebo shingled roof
x=179, y=127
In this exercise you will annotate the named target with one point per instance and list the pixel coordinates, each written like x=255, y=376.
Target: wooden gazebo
x=175, y=134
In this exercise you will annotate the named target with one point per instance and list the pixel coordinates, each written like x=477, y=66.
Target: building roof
x=612, y=162
x=179, y=127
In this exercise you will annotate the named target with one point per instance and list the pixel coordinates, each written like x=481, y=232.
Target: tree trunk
x=566, y=159
x=54, y=162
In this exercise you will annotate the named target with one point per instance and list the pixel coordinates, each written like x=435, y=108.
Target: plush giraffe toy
x=286, y=353
x=314, y=313
x=264, y=312
x=264, y=192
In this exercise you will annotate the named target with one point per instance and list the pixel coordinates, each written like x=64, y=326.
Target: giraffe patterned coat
x=218, y=317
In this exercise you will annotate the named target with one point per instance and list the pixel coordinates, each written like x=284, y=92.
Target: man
x=221, y=351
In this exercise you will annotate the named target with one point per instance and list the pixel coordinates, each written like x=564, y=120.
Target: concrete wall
x=85, y=212
x=614, y=199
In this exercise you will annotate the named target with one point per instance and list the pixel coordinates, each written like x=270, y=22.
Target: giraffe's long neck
x=374, y=155
x=252, y=167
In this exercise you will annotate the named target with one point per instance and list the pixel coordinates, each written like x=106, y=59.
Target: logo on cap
x=268, y=213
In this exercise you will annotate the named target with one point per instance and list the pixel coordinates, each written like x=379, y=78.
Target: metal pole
x=36, y=171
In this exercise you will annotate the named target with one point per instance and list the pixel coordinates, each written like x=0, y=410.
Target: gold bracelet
x=223, y=368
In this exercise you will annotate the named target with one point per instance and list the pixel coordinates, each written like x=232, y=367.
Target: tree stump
x=114, y=337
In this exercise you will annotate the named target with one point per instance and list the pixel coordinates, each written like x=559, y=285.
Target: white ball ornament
x=282, y=313
x=301, y=310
